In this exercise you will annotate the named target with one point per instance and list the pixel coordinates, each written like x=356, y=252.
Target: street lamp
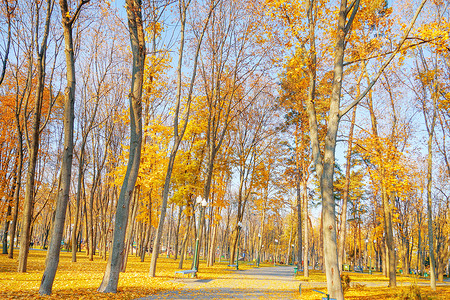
x=239, y=226
x=200, y=202
x=293, y=255
x=376, y=257
x=367, y=241
x=259, y=250
x=395, y=260
x=276, y=257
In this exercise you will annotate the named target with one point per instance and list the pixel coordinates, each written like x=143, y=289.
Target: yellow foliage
x=80, y=280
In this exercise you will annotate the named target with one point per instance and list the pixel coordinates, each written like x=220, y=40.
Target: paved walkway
x=258, y=283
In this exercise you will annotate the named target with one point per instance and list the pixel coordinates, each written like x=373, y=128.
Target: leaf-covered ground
x=80, y=280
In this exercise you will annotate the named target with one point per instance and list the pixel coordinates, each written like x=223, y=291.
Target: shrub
x=413, y=293
x=345, y=280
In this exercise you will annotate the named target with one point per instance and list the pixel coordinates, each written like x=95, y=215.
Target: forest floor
x=80, y=280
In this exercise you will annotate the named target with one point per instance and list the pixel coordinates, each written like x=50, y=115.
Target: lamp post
x=395, y=260
x=371, y=255
x=202, y=204
x=259, y=250
x=293, y=255
x=239, y=226
x=276, y=257
x=367, y=241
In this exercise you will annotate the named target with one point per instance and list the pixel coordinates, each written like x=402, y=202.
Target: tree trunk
x=183, y=244
x=9, y=209
x=77, y=205
x=343, y=227
x=136, y=30
x=134, y=206
x=149, y=228
x=33, y=148
x=299, y=225
x=177, y=232
x=430, y=129
x=389, y=239
x=305, y=228
x=178, y=135
x=17, y=189
x=212, y=247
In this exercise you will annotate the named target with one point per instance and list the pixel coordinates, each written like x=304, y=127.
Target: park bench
x=327, y=296
x=232, y=266
x=186, y=272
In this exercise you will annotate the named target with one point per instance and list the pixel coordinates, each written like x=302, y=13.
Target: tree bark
x=137, y=39
x=66, y=164
x=430, y=129
x=18, y=184
x=177, y=232
x=33, y=146
x=305, y=229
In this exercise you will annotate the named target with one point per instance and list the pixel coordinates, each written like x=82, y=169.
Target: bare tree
x=33, y=145
x=137, y=39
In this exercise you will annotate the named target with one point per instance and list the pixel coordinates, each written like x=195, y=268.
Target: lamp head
x=204, y=203
x=198, y=200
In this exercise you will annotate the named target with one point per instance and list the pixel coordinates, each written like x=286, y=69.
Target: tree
x=52, y=260
x=137, y=40
x=33, y=145
x=178, y=133
x=324, y=162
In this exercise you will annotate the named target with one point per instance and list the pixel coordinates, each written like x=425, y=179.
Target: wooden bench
x=185, y=272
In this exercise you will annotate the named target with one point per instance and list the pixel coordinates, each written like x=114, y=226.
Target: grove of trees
x=308, y=132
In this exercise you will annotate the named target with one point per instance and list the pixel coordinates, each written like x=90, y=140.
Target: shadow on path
x=258, y=283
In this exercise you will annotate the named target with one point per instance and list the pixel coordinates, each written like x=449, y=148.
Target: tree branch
x=384, y=66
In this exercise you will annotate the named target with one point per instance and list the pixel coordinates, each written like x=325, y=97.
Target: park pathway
x=257, y=283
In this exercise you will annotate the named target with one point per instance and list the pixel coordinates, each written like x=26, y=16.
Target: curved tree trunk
x=33, y=148
x=136, y=30
x=66, y=165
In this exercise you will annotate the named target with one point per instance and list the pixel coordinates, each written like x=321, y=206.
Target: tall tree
x=51, y=264
x=179, y=122
x=429, y=78
x=33, y=145
x=137, y=40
